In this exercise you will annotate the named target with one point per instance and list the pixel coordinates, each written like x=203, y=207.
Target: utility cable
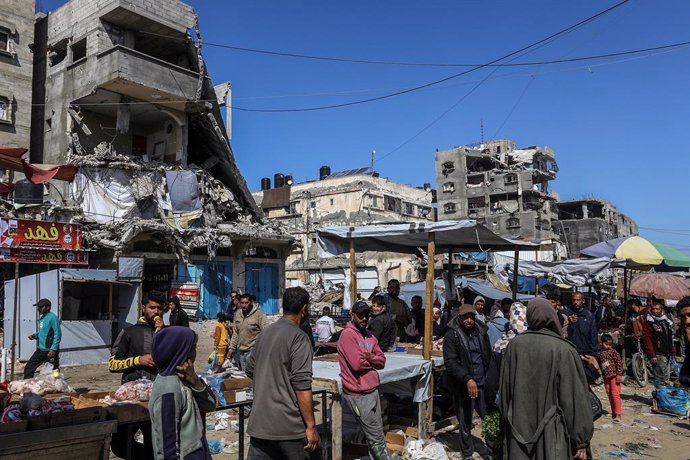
x=451, y=77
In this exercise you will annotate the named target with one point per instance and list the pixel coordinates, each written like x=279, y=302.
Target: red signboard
x=43, y=256
x=39, y=242
x=34, y=234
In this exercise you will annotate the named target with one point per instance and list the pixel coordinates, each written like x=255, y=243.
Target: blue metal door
x=261, y=279
x=215, y=278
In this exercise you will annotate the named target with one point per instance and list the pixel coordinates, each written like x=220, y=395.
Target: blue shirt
x=583, y=332
x=49, y=334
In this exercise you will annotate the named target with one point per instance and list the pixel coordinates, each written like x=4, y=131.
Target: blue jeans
x=242, y=358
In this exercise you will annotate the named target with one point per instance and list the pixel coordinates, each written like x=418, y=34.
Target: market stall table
x=403, y=374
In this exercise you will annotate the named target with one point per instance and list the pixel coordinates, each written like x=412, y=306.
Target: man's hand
x=186, y=373
x=147, y=360
x=312, y=439
x=32, y=337
x=158, y=323
x=51, y=354
x=572, y=318
x=580, y=454
x=472, y=388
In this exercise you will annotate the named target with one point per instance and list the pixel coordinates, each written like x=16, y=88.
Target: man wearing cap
x=360, y=357
x=48, y=336
x=471, y=375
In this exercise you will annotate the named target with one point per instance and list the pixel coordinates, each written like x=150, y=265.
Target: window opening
x=4, y=109
x=79, y=50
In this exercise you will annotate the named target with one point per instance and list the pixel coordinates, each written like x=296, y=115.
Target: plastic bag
x=674, y=400
x=41, y=385
x=136, y=390
x=419, y=450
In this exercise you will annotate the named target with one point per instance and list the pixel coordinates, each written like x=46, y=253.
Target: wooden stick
x=516, y=262
x=15, y=320
x=429, y=307
x=353, y=273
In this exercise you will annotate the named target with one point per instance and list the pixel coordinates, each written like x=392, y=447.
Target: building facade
x=582, y=223
x=16, y=70
x=354, y=197
x=124, y=102
x=500, y=186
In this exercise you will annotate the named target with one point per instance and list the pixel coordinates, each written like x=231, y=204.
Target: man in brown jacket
x=248, y=323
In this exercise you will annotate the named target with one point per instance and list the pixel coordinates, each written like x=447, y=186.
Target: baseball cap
x=43, y=303
x=360, y=307
x=465, y=309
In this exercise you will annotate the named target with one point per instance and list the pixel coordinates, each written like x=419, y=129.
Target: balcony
x=144, y=78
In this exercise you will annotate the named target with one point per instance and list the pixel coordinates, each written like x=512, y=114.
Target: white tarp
x=105, y=194
x=574, y=272
x=460, y=235
x=399, y=368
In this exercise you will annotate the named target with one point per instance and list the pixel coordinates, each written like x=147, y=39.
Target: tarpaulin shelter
x=574, y=272
x=451, y=235
x=11, y=158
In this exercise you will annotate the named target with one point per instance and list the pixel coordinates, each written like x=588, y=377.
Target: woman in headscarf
x=517, y=325
x=178, y=398
x=543, y=396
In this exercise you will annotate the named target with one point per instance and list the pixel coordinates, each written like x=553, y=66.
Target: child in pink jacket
x=360, y=356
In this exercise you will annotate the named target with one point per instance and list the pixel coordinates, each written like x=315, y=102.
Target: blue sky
x=618, y=126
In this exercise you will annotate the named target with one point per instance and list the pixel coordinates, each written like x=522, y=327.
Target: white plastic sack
x=419, y=450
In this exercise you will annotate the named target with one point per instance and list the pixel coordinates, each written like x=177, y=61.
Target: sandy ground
x=641, y=435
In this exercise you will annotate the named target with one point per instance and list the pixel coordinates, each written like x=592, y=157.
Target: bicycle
x=640, y=364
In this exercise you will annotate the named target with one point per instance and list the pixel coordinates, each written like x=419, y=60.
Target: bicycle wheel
x=639, y=369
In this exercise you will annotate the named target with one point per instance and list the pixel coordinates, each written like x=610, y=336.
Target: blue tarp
x=486, y=289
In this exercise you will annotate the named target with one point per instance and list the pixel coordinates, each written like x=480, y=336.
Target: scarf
x=517, y=325
x=171, y=347
x=659, y=319
x=542, y=315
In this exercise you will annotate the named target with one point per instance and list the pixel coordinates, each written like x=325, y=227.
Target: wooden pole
x=451, y=278
x=429, y=305
x=15, y=320
x=625, y=316
x=353, y=273
x=516, y=262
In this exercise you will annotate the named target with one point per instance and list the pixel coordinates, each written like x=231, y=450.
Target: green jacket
x=49, y=334
x=544, y=398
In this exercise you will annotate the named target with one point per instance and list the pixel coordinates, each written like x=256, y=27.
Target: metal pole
x=353, y=273
x=15, y=320
x=516, y=263
x=625, y=316
x=451, y=276
x=429, y=306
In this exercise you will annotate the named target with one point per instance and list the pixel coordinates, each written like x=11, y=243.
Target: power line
x=451, y=77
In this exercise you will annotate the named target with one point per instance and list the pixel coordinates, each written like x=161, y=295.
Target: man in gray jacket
x=282, y=424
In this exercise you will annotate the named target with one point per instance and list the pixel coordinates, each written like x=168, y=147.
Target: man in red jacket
x=359, y=357
x=657, y=334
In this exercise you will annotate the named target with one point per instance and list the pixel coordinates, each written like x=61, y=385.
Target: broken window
x=479, y=164
x=423, y=211
x=4, y=40
x=5, y=110
x=448, y=187
x=448, y=167
x=374, y=201
x=409, y=209
x=294, y=207
x=392, y=204
x=449, y=208
x=57, y=52
x=513, y=223
x=475, y=203
x=475, y=180
x=79, y=50
x=510, y=178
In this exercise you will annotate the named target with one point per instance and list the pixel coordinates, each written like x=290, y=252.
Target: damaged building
x=582, y=223
x=501, y=186
x=351, y=197
x=126, y=110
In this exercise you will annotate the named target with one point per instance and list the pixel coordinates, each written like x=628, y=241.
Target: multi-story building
x=122, y=96
x=16, y=69
x=353, y=197
x=503, y=187
x=582, y=223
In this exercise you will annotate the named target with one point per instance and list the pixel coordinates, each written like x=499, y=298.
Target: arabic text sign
x=33, y=234
x=42, y=256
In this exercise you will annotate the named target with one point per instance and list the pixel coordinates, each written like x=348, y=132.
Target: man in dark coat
x=544, y=396
x=381, y=323
x=683, y=307
x=469, y=376
x=582, y=331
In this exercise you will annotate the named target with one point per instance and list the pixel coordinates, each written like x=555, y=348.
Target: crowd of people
x=532, y=364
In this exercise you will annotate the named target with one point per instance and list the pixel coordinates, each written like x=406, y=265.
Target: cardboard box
x=236, y=384
x=233, y=396
x=395, y=441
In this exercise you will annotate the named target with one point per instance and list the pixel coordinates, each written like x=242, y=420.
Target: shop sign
x=34, y=234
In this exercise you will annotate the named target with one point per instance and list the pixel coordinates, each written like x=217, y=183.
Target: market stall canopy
x=487, y=290
x=460, y=235
x=573, y=272
x=639, y=251
x=11, y=158
x=659, y=285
